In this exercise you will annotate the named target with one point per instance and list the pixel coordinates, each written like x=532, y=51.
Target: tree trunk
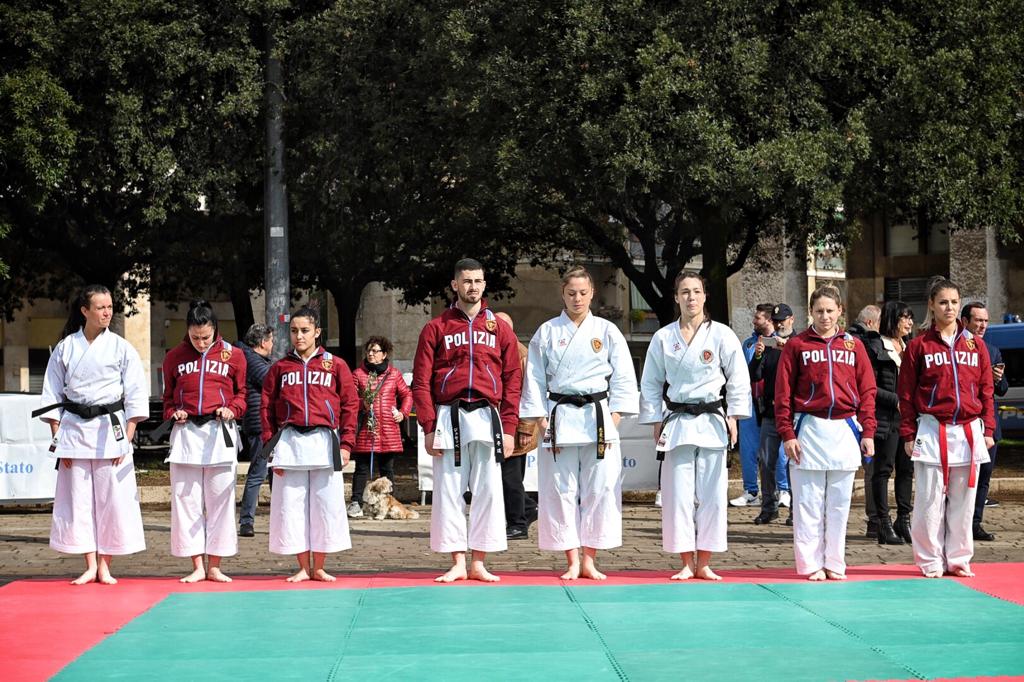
x=715, y=249
x=241, y=302
x=346, y=301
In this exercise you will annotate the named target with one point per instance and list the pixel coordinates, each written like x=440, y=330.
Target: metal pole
x=275, y=205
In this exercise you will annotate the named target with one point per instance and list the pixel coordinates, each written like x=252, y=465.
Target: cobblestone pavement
x=404, y=546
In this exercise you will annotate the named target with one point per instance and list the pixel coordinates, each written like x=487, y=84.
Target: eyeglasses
x=373, y=351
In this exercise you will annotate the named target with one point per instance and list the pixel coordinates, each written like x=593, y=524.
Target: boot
x=872, y=531
x=902, y=527
x=886, y=534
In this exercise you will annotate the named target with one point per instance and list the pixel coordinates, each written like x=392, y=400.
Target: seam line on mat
x=600, y=638
x=847, y=631
x=332, y=675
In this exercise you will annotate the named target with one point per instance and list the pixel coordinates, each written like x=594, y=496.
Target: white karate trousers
x=821, y=509
x=96, y=508
x=941, y=526
x=203, y=510
x=577, y=473
x=307, y=512
x=482, y=476
x=694, y=492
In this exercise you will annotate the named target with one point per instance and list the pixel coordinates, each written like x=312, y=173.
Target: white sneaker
x=355, y=511
x=745, y=500
x=657, y=499
x=784, y=499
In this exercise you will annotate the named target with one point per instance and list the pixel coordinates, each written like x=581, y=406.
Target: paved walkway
x=404, y=546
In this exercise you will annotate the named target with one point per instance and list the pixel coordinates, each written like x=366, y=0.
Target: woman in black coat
x=886, y=352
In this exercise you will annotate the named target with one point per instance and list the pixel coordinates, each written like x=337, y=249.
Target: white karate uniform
x=693, y=475
x=203, y=478
x=96, y=503
x=571, y=360
x=822, y=485
x=941, y=528
x=307, y=501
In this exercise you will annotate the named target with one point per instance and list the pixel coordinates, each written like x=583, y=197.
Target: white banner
x=26, y=470
x=639, y=465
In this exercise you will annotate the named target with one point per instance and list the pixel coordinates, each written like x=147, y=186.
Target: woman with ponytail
x=204, y=395
x=94, y=394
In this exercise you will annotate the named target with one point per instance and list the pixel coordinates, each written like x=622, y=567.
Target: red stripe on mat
x=46, y=624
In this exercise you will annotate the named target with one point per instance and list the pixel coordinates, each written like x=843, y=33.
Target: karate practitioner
x=824, y=380
x=94, y=394
x=204, y=393
x=580, y=380
x=466, y=383
x=947, y=420
x=308, y=413
x=688, y=363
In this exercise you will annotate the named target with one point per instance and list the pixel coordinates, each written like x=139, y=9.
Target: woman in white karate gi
x=204, y=392
x=688, y=363
x=94, y=394
x=580, y=380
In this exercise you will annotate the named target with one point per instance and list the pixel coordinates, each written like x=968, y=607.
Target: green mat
x=865, y=630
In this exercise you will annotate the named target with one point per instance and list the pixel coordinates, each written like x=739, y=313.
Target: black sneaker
x=982, y=534
x=789, y=520
x=989, y=503
x=516, y=534
x=766, y=517
x=246, y=531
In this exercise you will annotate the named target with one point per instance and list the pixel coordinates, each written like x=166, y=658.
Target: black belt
x=268, y=449
x=87, y=412
x=578, y=400
x=695, y=409
x=199, y=420
x=496, y=434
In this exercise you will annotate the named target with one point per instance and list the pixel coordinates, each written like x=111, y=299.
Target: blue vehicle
x=1010, y=408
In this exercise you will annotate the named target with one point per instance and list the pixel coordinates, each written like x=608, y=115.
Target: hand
x=657, y=432
x=225, y=414
x=428, y=445
x=792, y=449
x=345, y=456
x=397, y=415
x=66, y=462
x=908, y=448
x=118, y=460
x=279, y=472
x=730, y=425
x=780, y=342
x=997, y=372
x=180, y=416
x=989, y=443
x=508, y=443
x=867, y=446
x=759, y=348
x=616, y=418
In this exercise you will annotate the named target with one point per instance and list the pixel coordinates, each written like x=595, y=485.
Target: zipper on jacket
x=853, y=395
x=202, y=378
x=444, y=381
x=223, y=402
x=931, y=398
x=469, y=396
x=494, y=382
x=330, y=411
x=831, y=385
x=811, y=397
x=305, y=388
x=956, y=378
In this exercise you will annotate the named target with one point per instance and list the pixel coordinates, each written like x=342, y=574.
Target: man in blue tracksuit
x=750, y=432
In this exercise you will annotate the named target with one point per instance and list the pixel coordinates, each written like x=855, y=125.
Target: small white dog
x=379, y=503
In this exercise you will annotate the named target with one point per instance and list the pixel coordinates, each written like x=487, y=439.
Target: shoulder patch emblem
x=707, y=356
x=850, y=345
x=327, y=362
x=596, y=345
x=225, y=355
x=971, y=345
x=491, y=325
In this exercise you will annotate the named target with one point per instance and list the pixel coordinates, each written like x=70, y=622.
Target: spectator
x=385, y=400
x=763, y=366
x=975, y=319
x=750, y=428
x=258, y=345
x=867, y=322
x=520, y=508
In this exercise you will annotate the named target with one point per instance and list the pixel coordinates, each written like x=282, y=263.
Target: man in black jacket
x=763, y=366
x=257, y=346
x=975, y=318
x=867, y=326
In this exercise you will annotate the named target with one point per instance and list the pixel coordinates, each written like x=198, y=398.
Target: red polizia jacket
x=828, y=378
x=461, y=360
x=393, y=393
x=954, y=385
x=200, y=383
x=318, y=393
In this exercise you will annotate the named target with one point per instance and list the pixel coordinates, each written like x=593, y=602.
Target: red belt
x=944, y=455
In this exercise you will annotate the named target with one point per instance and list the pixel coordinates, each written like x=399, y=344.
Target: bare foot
x=684, y=574
x=323, y=576
x=572, y=573
x=87, y=577
x=216, y=576
x=478, y=572
x=705, y=573
x=103, y=577
x=933, y=574
x=817, y=575
x=195, y=576
x=961, y=572
x=592, y=573
x=456, y=572
x=299, y=577
x=832, y=575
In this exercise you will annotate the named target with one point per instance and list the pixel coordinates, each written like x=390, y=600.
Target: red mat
x=45, y=624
